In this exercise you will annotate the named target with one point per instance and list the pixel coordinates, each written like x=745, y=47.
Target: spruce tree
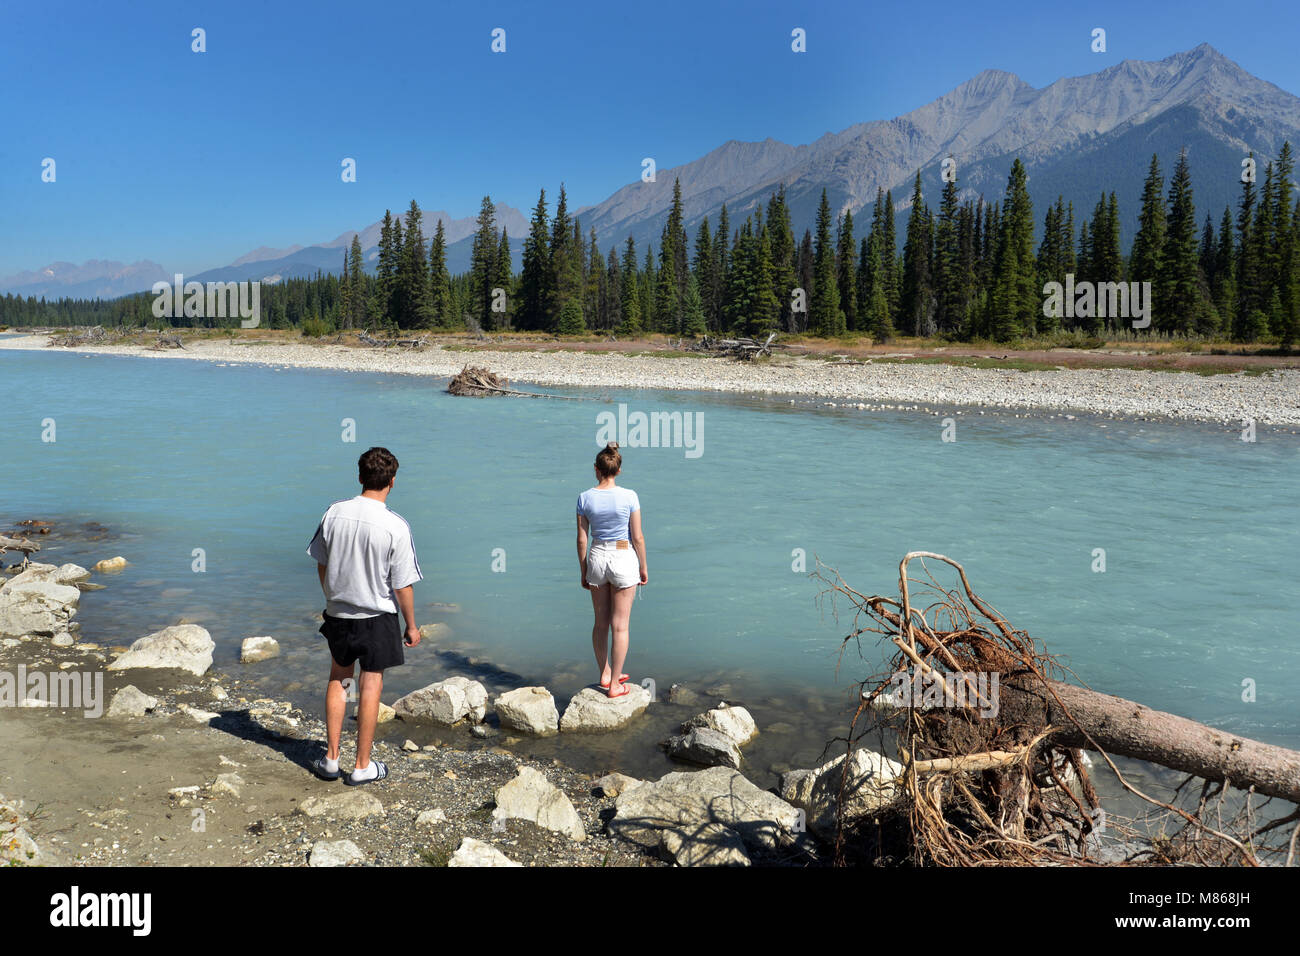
x=535, y=272
x=1145, y=258
x=444, y=315
x=1180, y=307
x=846, y=271
x=825, y=316
x=918, y=293
x=1016, y=299
x=359, y=307
x=483, y=265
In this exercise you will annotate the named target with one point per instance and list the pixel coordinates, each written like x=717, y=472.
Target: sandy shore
x=1270, y=398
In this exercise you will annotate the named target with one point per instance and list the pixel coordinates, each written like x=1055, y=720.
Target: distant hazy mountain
x=328, y=256
x=1078, y=136
x=93, y=279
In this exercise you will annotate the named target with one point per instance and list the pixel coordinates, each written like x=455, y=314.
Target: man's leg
x=336, y=705
x=372, y=686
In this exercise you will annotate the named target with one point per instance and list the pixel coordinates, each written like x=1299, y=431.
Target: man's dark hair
x=376, y=468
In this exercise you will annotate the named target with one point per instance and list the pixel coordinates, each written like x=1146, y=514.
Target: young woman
x=613, y=566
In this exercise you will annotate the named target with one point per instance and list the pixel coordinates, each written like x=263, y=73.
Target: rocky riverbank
x=139, y=756
x=1272, y=397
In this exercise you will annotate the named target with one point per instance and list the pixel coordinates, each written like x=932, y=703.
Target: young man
x=366, y=562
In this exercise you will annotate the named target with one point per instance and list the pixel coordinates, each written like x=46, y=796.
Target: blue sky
x=191, y=160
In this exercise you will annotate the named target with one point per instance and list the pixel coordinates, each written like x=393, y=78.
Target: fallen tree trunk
x=1129, y=729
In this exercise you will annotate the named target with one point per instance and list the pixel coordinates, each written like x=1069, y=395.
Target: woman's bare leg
x=602, y=606
x=622, y=613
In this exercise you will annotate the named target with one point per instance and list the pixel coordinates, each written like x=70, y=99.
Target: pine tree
x=483, y=265
x=1145, y=258
x=535, y=274
x=444, y=315
x=1225, y=274
x=630, y=306
x=359, y=307
x=805, y=267
x=566, y=266
x=846, y=271
x=412, y=308
x=704, y=268
x=918, y=250
x=825, y=317
x=783, y=256
x=1015, y=299
x=1248, y=285
x=948, y=280
x=1180, y=307
x=503, y=280
x=389, y=256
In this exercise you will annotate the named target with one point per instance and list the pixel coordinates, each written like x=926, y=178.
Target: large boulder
x=530, y=796
x=473, y=852
x=872, y=786
x=185, y=647
x=688, y=801
x=704, y=746
x=592, y=711
x=732, y=722
x=446, y=701
x=36, y=607
x=529, y=710
x=68, y=574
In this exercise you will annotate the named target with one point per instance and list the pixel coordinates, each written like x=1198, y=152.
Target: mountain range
x=1077, y=137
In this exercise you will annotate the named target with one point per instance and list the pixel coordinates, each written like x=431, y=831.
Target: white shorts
x=607, y=564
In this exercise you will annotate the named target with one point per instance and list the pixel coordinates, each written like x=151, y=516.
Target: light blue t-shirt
x=608, y=511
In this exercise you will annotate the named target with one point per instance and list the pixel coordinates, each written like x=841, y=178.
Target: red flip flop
x=622, y=679
x=626, y=691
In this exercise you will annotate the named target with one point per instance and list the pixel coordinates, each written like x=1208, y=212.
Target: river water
x=1194, y=610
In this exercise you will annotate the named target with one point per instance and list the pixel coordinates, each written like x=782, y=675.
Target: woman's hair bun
x=612, y=446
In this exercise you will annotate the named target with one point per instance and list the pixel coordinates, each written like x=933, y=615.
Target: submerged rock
x=111, y=564
x=529, y=710
x=591, y=711
x=530, y=796
x=446, y=701
x=255, y=649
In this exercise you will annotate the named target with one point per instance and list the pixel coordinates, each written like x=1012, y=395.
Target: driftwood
x=392, y=342
x=741, y=348
x=478, y=382
x=1004, y=780
x=28, y=548
x=167, y=342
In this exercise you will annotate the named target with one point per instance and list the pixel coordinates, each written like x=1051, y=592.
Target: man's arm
x=406, y=601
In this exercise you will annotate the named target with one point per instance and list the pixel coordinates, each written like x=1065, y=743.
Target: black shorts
x=374, y=641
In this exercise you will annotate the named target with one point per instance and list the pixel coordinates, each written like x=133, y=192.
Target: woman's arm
x=582, y=549
x=638, y=542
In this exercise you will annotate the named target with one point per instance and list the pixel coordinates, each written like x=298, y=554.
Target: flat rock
x=446, y=701
x=335, y=853
x=473, y=852
x=431, y=817
x=255, y=649
x=709, y=845
x=529, y=710
x=704, y=746
x=592, y=712
x=186, y=647
x=130, y=701
x=689, y=800
x=352, y=804
x=872, y=786
x=530, y=796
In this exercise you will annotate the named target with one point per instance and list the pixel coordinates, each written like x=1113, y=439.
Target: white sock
x=332, y=766
x=370, y=773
